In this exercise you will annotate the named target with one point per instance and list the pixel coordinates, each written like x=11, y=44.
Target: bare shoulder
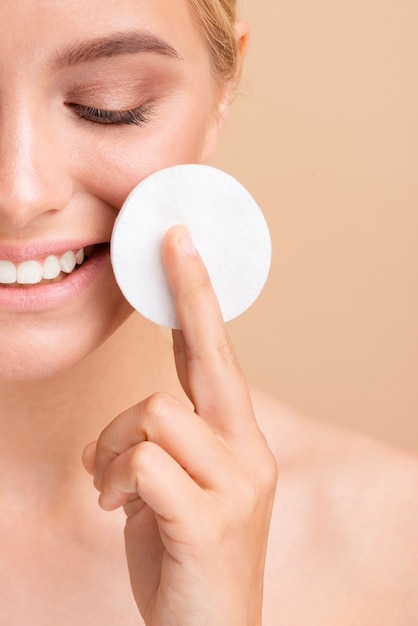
x=344, y=533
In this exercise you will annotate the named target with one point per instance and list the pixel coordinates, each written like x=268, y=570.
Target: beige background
x=325, y=135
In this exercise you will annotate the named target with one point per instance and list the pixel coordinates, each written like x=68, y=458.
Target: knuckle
x=222, y=350
x=260, y=484
x=157, y=416
x=199, y=286
x=141, y=458
x=203, y=282
x=268, y=474
x=158, y=404
x=106, y=447
x=137, y=458
x=103, y=439
x=227, y=352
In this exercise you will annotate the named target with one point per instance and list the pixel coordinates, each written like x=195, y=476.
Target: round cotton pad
x=227, y=227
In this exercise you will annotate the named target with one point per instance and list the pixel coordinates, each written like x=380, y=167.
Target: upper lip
x=39, y=250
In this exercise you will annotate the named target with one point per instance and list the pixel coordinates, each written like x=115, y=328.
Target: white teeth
x=8, y=272
x=52, y=267
x=32, y=272
x=68, y=262
x=29, y=273
x=79, y=257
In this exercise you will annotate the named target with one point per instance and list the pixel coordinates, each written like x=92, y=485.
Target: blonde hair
x=217, y=19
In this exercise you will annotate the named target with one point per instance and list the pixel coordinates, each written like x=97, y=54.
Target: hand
x=197, y=485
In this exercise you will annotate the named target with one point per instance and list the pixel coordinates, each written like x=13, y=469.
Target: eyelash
x=138, y=116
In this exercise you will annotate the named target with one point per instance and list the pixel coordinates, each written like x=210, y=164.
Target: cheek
x=131, y=154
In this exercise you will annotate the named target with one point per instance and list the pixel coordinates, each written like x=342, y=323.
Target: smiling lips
x=50, y=269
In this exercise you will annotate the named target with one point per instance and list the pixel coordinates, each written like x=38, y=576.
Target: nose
x=33, y=180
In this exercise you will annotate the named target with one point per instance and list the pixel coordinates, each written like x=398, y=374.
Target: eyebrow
x=132, y=42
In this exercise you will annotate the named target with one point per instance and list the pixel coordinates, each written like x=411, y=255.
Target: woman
x=94, y=97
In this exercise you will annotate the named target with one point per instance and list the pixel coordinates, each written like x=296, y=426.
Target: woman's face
x=94, y=96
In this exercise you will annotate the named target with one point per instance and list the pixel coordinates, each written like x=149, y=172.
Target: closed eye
x=137, y=116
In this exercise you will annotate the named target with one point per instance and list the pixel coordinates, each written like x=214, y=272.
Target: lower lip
x=48, y=296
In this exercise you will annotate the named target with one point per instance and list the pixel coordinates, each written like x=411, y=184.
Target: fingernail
x=187, y=244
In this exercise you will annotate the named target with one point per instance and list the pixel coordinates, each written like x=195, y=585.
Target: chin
x=42, y=350
x=43, y=360
x=31, y=368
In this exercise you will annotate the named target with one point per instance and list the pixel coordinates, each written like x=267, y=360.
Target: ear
x=226, y=94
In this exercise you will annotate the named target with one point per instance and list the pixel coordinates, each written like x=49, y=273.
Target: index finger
x=206, y=360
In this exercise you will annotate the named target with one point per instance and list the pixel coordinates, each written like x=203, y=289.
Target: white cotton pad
x=227, y=227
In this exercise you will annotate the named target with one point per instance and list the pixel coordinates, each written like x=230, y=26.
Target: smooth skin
x=179, y=455
x=64, y=175
x=193, y=464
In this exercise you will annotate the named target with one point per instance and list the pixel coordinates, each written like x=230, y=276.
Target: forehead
x=40, y=28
